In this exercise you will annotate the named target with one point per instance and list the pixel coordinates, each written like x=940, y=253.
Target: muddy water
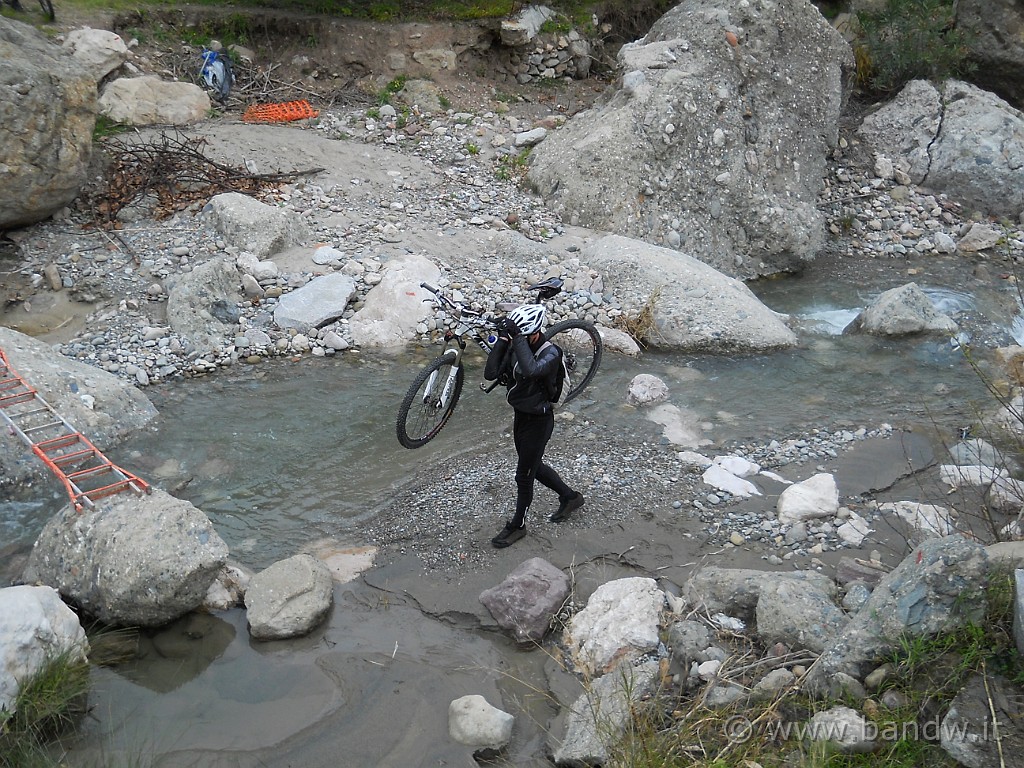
x=284, y=454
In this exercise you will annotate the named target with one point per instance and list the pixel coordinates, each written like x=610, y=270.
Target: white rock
x=927, y=518
x=723, y=480
x=620, y=621
x=815, y=497
x=854, y=531
x=737, y=465
x=36, y=627
x=970, y=474
x=474, y=722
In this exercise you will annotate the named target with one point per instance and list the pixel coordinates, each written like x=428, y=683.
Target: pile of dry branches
x=170, y=173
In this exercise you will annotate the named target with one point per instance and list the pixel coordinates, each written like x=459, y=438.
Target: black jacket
x=531, y=375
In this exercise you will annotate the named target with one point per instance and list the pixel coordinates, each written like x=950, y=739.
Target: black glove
x=508, y=325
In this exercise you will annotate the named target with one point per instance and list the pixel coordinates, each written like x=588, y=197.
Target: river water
x=285, y=453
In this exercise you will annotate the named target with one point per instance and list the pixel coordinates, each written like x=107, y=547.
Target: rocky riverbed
x=446, y=185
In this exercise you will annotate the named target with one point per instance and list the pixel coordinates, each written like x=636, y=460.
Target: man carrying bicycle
x=522, y=360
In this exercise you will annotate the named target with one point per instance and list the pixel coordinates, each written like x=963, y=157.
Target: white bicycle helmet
x=528, y=317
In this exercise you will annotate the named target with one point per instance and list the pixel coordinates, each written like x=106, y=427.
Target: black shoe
x=566, y=508
x=509, y=535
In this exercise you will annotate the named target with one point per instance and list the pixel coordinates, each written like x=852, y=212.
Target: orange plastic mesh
x=281, y=112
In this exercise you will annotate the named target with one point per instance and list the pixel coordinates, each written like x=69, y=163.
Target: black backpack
x=560, y=389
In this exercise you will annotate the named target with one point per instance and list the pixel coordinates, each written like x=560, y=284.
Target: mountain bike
x=216, y=73
x=435, y=391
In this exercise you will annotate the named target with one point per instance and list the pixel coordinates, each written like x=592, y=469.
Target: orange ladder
x=60, y=446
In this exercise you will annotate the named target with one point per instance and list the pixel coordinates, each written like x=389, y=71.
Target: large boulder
x=937, y=587
x=256, y=227
x=960, y=140
x=598, y=718
x=99, y=404
x=714, y=138
x=202, y=305
x=36, y=628
x=47, y=113
x=798, y=613
x=901, y=311
x=695, y=307
x=395, y=308
x=148, y=100
x=817, y=496
x=130, y=561
x=735, y=591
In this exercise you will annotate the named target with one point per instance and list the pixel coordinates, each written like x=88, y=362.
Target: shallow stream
x=284, y=454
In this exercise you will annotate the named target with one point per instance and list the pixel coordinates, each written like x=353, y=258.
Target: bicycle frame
x=462, y=330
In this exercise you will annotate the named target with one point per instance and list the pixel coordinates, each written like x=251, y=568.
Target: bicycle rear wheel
x=582, y=346
x=430, y=402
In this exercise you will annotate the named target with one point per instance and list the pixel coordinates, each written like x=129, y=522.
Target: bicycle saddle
x=547, y=289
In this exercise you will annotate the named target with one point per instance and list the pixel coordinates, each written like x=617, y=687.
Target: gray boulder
x=37, y=627
x=798, y=613
x=600, y=716
x=202, y=305
x=645, y=389
x=713, y=140
x=131, y=561
x=289, y=598
x=524, y=603
x=962, y=141
x=148, y=100
x=696, y=308
x=843, y=729
x=47, y=113
x=99, y=404
x=319, y=301
x=935, y=589
x=905, y=128
x=252, y=226
x=735, y=591
x=899, y=312
x=688, y=641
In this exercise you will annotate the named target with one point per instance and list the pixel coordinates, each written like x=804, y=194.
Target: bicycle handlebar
x=475, y=316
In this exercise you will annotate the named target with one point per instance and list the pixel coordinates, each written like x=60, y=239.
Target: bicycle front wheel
x=430, y=402
x=582, y=346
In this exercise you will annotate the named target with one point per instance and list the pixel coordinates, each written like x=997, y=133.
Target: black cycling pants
x=530, y=433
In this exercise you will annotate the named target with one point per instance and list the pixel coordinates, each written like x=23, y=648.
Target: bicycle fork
x=447, y=386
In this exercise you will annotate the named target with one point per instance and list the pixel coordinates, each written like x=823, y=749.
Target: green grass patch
x=47, y=706
x=106, y=127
